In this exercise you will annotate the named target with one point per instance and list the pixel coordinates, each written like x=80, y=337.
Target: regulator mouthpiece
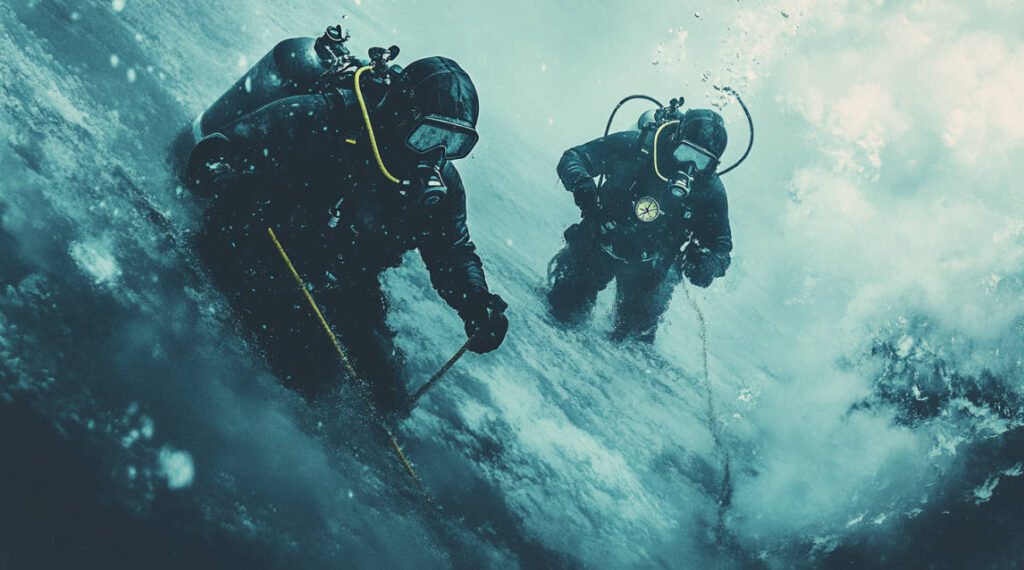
x=681, y=184
x=427, y=186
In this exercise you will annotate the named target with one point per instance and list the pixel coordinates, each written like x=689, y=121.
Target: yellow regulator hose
x=369, y=128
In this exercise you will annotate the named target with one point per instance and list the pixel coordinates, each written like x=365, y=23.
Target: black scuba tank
x=293, y=67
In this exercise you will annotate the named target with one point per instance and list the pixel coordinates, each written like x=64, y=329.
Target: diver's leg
x=295, y=345
x=642, y=296
x=360, y=313
x=578, y=273
x=269, y=308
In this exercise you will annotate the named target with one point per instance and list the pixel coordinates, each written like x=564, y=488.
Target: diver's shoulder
x=450, y=174
x=343, y=106
x=716, y=186
x=630, y=137
x=714, y=191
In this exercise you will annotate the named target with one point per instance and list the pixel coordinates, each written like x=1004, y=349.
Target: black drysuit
x=292, y=162
x=644, y=257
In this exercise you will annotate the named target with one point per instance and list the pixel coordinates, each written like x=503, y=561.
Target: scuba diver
x=349, y=163
x=660, y=215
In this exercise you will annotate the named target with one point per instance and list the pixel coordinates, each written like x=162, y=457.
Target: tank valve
x=379, y=58
x=331, y=45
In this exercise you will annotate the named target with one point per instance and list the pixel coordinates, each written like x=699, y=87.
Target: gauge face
x=647, y=209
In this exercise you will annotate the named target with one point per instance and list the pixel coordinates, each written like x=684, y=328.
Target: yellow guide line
x=341, y=352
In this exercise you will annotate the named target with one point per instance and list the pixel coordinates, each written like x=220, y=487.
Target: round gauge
x=647, y=209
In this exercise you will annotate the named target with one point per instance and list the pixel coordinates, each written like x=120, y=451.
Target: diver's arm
x=709, y=257
x=716, y=234
x=595, y=158
x=456, y=271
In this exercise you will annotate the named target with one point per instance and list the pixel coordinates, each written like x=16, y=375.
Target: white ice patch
x=147, y=427
x=117, y=5
x=946, y=444
x=177, y=467
x=918, y=395
x=905, y=346
x=983, y=492
x=130, y=438
x=63, y=105
x=95, y=260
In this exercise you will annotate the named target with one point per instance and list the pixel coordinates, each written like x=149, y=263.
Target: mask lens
x=700, y=158
x=457, y=141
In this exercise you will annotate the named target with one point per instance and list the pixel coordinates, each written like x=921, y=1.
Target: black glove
x=485, y=320
x=699, y=265
x=584, y=192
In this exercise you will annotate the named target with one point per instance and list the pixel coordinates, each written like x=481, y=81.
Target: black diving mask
x=436, y=132
x=699, y=160
x=691, y=161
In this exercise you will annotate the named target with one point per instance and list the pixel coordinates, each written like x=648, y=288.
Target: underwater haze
x=864, y=398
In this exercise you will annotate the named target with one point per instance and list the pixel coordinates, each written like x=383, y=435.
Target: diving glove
x=584, y=192
x=699, y=265
x=485, y=320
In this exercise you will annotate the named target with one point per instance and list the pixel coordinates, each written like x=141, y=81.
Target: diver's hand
x=486, y=323
x=699, y=265
x=584, y=193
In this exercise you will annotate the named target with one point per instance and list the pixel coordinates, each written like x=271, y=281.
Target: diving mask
x=691, y=161
x=436, y=132
x=691, y=155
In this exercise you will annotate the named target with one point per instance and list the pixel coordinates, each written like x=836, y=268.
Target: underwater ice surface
x=865, y=348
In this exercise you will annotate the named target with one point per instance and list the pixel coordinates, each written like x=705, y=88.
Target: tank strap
x=348, y=97
x=346, y=115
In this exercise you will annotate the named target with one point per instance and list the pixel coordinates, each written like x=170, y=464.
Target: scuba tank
x=304, y=65
x=294, y=66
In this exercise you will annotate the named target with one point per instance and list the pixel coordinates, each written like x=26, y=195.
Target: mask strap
x=369, y=128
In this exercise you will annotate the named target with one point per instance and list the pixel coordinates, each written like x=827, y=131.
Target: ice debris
x=177, y=467
x=96, y=261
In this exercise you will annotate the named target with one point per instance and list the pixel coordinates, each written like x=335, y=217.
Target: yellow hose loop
x=369, y=127
x=346, y=364
x=657, y=135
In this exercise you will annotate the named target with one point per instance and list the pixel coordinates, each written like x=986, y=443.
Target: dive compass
x=647, y=209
